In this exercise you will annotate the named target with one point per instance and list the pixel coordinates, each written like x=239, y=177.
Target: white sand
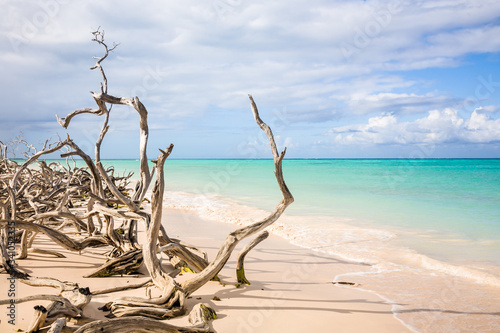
x=291, y=288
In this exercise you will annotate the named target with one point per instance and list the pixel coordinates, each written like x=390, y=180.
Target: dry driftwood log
x=57, y=326
x=240, y=268
x=90, y=206
x=38, y=319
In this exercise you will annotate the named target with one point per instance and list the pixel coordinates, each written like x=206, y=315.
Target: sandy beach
x=362, y=136
x=291, y=288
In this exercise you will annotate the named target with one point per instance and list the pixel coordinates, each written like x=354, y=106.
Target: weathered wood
x=35, y=298
x=96, y=185
x=64, y=215
x=171, y=303
x=14, y=181
x=104, y=175
x=60, y=306
x=161, y=279
x=3, y=150
x=64, y=122
x=201, y=315
x=23, y=253
x=48, y=282
x=70, y=301
x=57, y=326
x=240, y=268
x=126, y=264
x=144, y=310
x=63, y=309
x=176, y=249
x=136, y=325
x=38, y=319
x=58, y=237
x=144, y=133
x=236, y=236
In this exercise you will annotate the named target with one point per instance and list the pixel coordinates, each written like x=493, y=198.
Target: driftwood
x=57, y=326
x=240, y=269
x=201, y=315
x=90, y=206
x=136, y=325
x=38, y=319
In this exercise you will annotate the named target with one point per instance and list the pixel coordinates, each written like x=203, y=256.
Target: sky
x=333, y=79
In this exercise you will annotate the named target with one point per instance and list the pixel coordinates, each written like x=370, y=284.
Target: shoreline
x=427, y=294
x=287, y=282
x=291, y=288
x=344, y=238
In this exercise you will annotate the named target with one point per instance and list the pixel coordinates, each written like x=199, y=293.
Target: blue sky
x=405, y=79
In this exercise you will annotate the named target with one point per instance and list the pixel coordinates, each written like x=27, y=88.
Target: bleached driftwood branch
x=240, y=268
x=48, y=200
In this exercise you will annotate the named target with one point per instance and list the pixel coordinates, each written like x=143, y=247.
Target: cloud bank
x=440, y=126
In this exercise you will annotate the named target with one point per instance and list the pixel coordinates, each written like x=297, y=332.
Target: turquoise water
x=456, y=196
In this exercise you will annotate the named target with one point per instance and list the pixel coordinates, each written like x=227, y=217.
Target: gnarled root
x=153, y=312
x=126, y=264
x=69, y=303
x=182, y=256
x=136, y=325
x=170, y=305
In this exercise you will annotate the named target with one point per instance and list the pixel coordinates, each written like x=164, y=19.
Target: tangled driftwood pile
x=91, y=207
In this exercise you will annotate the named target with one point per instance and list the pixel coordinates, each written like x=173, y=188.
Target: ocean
x=427, y=231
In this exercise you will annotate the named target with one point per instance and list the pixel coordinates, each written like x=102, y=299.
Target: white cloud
x=481, y=128
x=423, y=34
x=400, y=103
x=440, y=126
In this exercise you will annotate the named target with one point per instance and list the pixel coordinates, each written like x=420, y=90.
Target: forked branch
x=236, y=236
